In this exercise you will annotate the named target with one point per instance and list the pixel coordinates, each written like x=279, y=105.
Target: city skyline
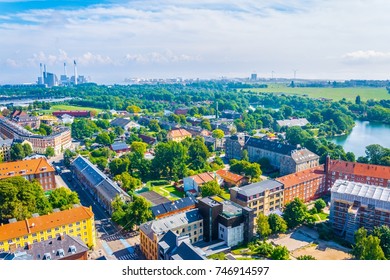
x=115, y=40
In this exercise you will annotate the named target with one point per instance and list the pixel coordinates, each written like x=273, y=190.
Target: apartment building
x=5, y=149
x=188, y=223
x=371, y=174
x=307, y=185
x=78, y=221
x=262, y=197
x=59, y=140
x=33, y=169
x=355, y=205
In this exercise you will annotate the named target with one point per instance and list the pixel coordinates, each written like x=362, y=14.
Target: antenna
x=41, y=72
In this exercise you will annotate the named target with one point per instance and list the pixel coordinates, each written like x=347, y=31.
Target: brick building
x=307, y=185
x=376, y=175
x=33, y=169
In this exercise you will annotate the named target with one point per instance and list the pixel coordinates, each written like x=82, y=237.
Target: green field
x=62, y=107
x=333, y=93
x=168, y=191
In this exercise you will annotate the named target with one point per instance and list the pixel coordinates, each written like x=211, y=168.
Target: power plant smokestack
x=65, y=69
x=44, y=71
x=75, y=72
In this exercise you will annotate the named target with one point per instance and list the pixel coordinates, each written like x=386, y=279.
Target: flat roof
x=259, y=187
x=361, y=190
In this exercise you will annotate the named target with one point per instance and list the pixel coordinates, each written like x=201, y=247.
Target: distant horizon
x=112, y=40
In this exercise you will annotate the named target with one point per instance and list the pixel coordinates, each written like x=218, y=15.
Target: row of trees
x=20, y=198
x=374, y=246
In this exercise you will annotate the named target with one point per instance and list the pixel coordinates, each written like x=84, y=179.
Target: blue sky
x=115, y=40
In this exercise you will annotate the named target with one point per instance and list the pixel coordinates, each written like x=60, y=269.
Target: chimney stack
x=65, y=69
x=75, y=72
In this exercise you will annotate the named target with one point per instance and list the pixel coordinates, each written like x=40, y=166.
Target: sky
x=115, y=40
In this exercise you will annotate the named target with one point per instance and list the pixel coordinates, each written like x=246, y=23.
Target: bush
x=159, y=183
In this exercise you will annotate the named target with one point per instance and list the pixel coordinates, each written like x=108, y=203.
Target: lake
x=363, y=134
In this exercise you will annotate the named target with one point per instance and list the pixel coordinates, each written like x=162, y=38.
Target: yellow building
x=178, y=135
x=189, y=223
x=78, y=221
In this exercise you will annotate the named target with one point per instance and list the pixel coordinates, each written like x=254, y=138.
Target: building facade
x=355, y=205
x=178, y=135
x=189, y=223
x=59, y=140
x=97, y=183
x=262, y=197
x=225, y=220
x=376, y=175
x=33, y=169
x=78, y=221
x=287, y=158
x=307, y=185
x=5, y=149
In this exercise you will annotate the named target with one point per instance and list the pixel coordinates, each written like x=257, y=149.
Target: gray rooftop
x=162, y=226
x=293, y=122
x=259, y=187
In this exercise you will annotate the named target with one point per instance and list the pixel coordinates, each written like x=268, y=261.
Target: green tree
x=280, y=253
x=198, y=154
x=296, y=135
x=139, y=148
x=27, y=149
x=383, y=233
x=350, y=156
x=205, y=123
x=245, y=155
x=104, y=139
x=68, y=155
x=218, y=133
x=17, y=152
x=118, y=166
x=306, y=258
x=83, y=128
x=154, y=126
x=276, y=223
x=367, y=247
x=46, y=128
x=133, y=109
x=211, y=188
x=262, y=226
x=128, y=182
x=358, y=100
x=170, y=160
x=319, y=204
x=132, y=214
x=63, y=198
x=295, y=213
x=49, y=152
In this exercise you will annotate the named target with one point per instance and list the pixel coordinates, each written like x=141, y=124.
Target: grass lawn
x=60, y=107
x=226, y=193
x=334, y=93
x=168, y=191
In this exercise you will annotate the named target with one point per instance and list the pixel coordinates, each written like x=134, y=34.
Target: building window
x=34, y=235
x=77, y=223
x=49, y=230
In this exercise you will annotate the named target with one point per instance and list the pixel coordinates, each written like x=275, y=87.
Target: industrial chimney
x=41, y=72
x=75, y=72
x=65, y=69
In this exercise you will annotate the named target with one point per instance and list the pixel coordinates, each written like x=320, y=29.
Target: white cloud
x=369, y=55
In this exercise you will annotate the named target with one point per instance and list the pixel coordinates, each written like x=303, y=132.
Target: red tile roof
x=202, y=178
x=175, y=133
x=24, y=167
x=227, y=175
x=302, y=176
x=360, y=169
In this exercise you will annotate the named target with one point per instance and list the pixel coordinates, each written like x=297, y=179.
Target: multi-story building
x=376, y=175
x=188, y=223
x=262, y=197
x=354, y=205
x=23, y=119
x=97, y=183
x=78, y=221
x=225, y=220
x=234, y=146
x=178, y=135
x=63, y=247
x=59, y=140
x=33, y=169
x=5, y=149
x=307, y=185
x=175, y=247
